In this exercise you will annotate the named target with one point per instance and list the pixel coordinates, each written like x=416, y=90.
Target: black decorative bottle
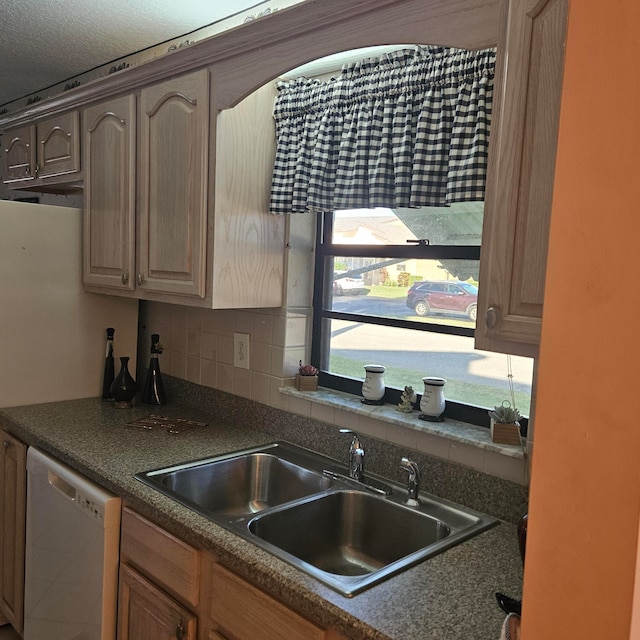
x=109, y=367
x=124, y=386
x=153, y=392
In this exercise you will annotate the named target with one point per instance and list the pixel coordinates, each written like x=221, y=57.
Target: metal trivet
x=169, y=425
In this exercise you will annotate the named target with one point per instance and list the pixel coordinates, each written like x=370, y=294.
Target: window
x=417, y=322
x=406, y=135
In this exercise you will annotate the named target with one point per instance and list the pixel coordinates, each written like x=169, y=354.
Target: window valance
x=407, y=129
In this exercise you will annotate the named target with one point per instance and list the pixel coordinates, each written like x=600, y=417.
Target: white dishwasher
x=72, y=549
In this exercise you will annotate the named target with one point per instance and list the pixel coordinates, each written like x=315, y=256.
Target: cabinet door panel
x=109, y=215
x=145, y=612
x=174, y=134
x=18, y=154
x=248, y=242
x=59, y=145
x=240, y=611
x=520, y=176
x=13, y=460
x=540, y=143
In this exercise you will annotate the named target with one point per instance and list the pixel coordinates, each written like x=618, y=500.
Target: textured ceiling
x=43, y=42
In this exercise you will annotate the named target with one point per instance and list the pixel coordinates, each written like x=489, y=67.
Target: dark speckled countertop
x=447, y=597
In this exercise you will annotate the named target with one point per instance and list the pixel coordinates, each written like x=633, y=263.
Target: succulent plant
x=307, y=370
x=505, y=413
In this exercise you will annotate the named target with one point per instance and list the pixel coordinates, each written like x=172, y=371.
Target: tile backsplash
x=198, y=347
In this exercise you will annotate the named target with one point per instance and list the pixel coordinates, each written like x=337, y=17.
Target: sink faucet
x=413, y=483
x=356, y=456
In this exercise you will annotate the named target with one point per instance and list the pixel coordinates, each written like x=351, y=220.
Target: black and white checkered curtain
x=408, y=129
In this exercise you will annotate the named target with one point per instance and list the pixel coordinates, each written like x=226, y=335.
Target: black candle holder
x=424, y=416
x=375, y=402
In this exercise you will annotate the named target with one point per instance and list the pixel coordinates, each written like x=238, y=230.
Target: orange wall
x=585, y=491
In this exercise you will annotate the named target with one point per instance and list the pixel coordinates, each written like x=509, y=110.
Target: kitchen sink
x=232, y=487
x=349, y=533
x=299, y=506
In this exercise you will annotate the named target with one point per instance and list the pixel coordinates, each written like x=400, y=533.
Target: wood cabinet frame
x=167, y=584
x=519, y=192
x=13, y=500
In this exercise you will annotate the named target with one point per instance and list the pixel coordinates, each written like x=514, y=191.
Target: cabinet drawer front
x=167, y=560
x=240, y=610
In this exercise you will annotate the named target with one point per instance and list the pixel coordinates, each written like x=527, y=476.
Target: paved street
x=390, y=308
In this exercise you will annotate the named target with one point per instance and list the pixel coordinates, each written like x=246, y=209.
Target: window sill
x=449, y=430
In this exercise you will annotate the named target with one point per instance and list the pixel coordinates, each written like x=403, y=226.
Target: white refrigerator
x=53, y=333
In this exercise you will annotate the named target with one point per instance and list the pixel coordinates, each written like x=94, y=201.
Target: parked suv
x=450, y=296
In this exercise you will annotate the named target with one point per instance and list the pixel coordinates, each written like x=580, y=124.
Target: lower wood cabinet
x=13, y=496
x=159, y=583
x=146, y=612
x=169, y=589
x=239, y=611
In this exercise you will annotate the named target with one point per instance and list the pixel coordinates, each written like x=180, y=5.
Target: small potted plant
x=307, y=378
x=505, y=425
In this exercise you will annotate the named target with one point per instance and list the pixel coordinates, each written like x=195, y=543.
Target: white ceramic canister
x=432, y=402
x=373, y=386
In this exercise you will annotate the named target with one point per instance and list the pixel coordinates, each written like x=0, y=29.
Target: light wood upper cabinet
x=19, y=155
x=58, y=145
x=247, y=257
x=109, y=193
x=145, y=164
x=13, y=479
x=520, y=177
x=177, y=197
x=172, y=185
x=44, y=153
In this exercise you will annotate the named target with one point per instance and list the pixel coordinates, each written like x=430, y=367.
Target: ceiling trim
x=250, y=42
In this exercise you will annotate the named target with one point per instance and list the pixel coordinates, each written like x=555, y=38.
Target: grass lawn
x=380, y=291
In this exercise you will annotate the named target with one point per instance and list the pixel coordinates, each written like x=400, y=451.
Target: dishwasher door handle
x=61, y=485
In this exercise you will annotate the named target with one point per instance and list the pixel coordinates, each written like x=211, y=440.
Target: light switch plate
x=241, y=350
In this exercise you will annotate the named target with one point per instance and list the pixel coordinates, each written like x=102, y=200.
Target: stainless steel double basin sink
x=297, y=505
